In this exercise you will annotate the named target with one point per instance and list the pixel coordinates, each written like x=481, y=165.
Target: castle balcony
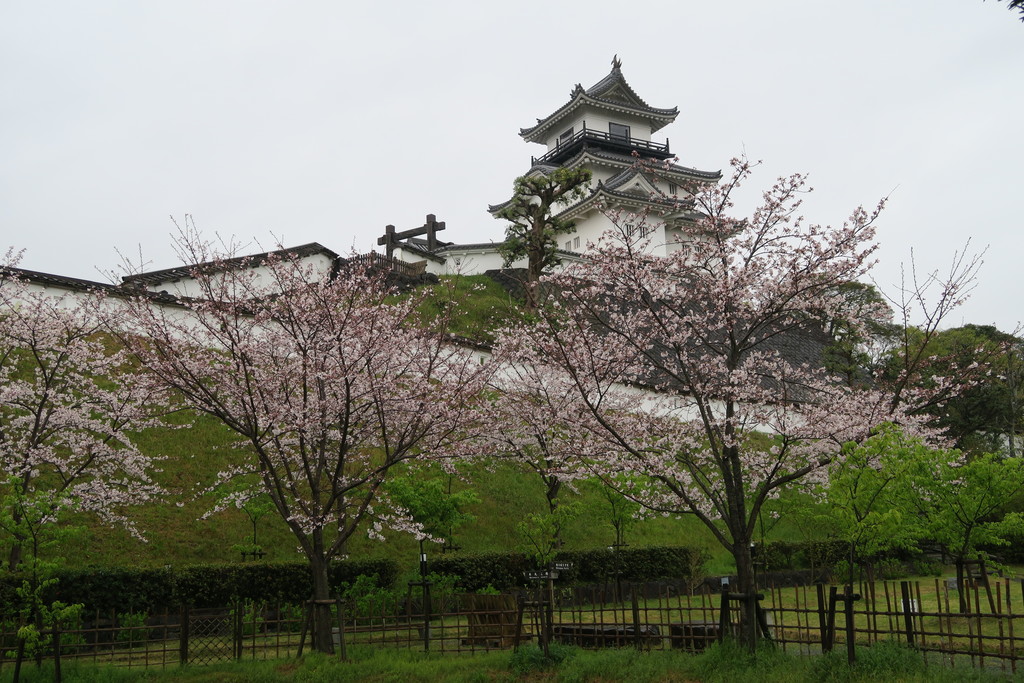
x=567, y=147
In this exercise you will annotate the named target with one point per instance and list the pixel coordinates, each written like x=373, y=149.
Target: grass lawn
x=884, y=662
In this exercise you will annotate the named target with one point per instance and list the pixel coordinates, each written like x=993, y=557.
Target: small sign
x=536, y=574
x=562, y=566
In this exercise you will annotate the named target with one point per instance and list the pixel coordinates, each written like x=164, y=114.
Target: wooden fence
x=801, y=620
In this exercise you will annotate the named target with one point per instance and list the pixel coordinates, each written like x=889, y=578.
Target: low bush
x=135, y=590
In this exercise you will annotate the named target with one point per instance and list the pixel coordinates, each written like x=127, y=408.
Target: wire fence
x=983, y=630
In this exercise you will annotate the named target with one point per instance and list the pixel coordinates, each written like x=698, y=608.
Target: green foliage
x=540, y=533
x=866, y=502
x=978, y=416
x=535, y=228
x=432, y=504
x=132, y=590
x=505, y=571
x=621, y=513
x=961, y=501
x=862, y=320
x=475, y=306
x=530, y=659
x=29, y=517
x=729, y=662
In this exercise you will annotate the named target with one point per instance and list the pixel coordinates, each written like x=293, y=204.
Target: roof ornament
x=616, y=62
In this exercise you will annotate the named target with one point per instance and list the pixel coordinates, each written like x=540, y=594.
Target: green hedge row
x=126, y=589
x=505, y=571
x=785, y=555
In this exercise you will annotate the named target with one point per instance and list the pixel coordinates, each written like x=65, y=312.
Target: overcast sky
x=325, y=121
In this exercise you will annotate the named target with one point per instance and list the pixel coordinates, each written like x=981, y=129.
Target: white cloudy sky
x=324, y=121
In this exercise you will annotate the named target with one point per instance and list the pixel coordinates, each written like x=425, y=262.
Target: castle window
x=576, y=243
x=617, y=131
x=565, y=138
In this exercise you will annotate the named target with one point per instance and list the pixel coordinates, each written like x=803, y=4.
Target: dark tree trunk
x=14, y=557
x=323, y=637
x=746, y=584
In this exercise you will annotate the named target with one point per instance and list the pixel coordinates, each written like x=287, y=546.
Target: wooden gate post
x=723, y=615
x=238, y=627
x=636, y=617
x=822, y=623
x=183, y=636
x=849, y=597
x=908, y=619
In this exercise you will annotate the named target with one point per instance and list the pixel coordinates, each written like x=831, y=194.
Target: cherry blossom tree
x=534, y=427
x=69, y=403
x=329, y=379
x=701, y=372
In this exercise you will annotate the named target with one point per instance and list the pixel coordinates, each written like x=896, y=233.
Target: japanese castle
x=609, y=130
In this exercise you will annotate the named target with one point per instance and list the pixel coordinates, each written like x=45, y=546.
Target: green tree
x=432, y=505
x=859, y=326
x=535, y=227
x=29, y=516
x=615, y=507
x=960, y=501
x=865, y=501
x=984, y=413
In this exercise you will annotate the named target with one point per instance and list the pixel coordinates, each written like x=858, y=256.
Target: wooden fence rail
x=801, y=620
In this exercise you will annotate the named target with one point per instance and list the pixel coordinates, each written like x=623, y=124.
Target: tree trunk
x=323, y=637
x=554, y=484
x=14, y=558
x=746, y=585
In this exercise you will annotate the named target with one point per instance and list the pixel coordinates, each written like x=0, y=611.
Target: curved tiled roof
x=672, y=172
x=626, y=159
x=603, y=191
x=178, y=272
x=613, y=92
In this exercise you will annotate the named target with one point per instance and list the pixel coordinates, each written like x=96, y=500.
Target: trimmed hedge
x=126, y=589
x=505, y=571
x=786, y=555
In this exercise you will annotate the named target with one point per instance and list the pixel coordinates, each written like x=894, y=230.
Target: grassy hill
x=177, y=533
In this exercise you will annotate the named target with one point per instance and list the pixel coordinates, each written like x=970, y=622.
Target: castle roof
x=610, y=93
x=178, y=272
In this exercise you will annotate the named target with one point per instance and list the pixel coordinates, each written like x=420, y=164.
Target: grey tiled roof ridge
x=308, y=249
x=39, y=277
x=625, y=158
x=604, y=190
x=610, y=156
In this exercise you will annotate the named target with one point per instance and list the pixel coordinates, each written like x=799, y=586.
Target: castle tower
x=608, y=129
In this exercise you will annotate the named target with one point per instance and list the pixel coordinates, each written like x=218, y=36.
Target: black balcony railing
x=568, y=146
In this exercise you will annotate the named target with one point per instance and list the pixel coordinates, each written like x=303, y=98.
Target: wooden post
x=832, y=597
x=19, y=658
x=341, y=630
x=848, y=599
x=183, y=636
x=426, y=614
x=307, y=624
x=56, y=654
x=762, y=617
x=822, y=622
x=636, y=617
x=238, y=628
x=723, y=616
x=521, y=607
x=908, y=619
